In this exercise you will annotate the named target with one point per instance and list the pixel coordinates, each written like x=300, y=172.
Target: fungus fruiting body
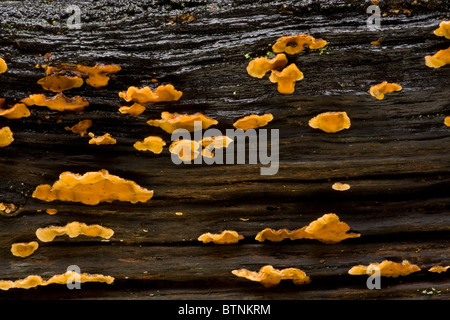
x=18, y=111
x=3, y=66
x=443, y=30
x=286, y=78
x=330, y=122
x=169, y=122
x=439, y=269
x=327, y=229
x=135, y=109
x=447, y=121
x=81, y=127
x=268, y=276
x=58, y=103
x=59, y=83
x=386, y=268
x=104, y=139
x=441, y=58
x=338, y=186
x=145, y=95
x=211, y=143
x=186, y=150
x=152, y=143
x=98, y=74
x=225, y=237
x=6, y=137
x=24, y=249
x=253, y=121
x=92, y=188
x=73, y=229
x=296, y=43
x=258, y=67
x=379, y=90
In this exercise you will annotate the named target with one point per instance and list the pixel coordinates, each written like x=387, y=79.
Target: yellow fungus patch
x=379, y=90
x=438, y=269
x=81, y=127
x=447, y=121
x=58, y=103
x=338, y=186
x=19, y=110
x=443, y=30
x=286, y=78
x=171, y=121
x=330, y=122
x=104, y=139
x=3, y=66
x=186, y=150
x=387, y=268
x=68, y=277
x=98, y=74
x=258, y=67
x=152, y=143
x=73, y=229
x=268, y=276
x=145, y=95
x=51, y=211
x=253, y=121
x=134, y=110
x=6, y=137
x=59, y=83
x=211, y=143
x=24, y=249
x=226, y=237
x=92, y=188
x=441, y=58
x=327, y=229
x=296, y=43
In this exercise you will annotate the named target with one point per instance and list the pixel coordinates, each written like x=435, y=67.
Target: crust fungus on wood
x=330, y=122
x=338, y=186
x=225, y=237
x=379, y=90
x=3, y=66
x=258, y=67
x=386, y=268
x=169, y=122
x=81, y=127
x=135, y=109
x=154, y=144
x=145, y=95
x=73, y=229
x=92, y=188
x=58, y=103
x=443, y=30
x=24, y=249
x=6, y=137
x=286, y=78
x=18, y=111
x=211, y=143
x=439, y=59
x=295, y=43
x=100, y=140
x=438, y=269
x=253, y=121
x=186, y=150
x=268, y=276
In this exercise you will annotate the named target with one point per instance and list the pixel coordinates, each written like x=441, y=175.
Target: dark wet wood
x=395, y=155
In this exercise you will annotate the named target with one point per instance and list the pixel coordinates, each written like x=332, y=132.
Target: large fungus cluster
x=442, y=57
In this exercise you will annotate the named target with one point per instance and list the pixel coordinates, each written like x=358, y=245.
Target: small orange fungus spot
x=438, y=269
x=134, y=110
x=146, y=95
x=253, y=121
x=330, y=122
x=81, y=127
x=387, y=268
x=92, y=188
x=3, y=66
x=296, y=43
x=286, y=78
x=380, y=89
x=443, y=30
x=152, y=143
x=73, y=229
x=51, y=211
x=58, y=103
x=268, y=276
x=338, y=186
x=171, y=121
x=104, y=139
x=441, y=58
x=260, y=66
x=19, y=110
x=186, y=150
x=447, y=121
x=226, y=237
x=6, y=137
x=24, y=249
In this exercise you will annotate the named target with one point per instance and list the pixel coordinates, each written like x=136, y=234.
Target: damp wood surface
x=395, y=156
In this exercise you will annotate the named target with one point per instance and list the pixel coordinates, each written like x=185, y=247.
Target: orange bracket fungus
x=6, y=137
x=438, y=269
x=186, y=150
x=152, y=143
x=145, y=95
x=386, y=268
x=212, y=143
x=379, y=90
x=171, y=121
x=338, y=186
x=19, y=110
x=65, y=278
x=441, y=58
x=296, y=43
x=3, y=66
x=58, y=103
x=92, y=188
x=24, y=249
x=98, y=74
x=443, y=30
x=104, y=139
x=258, y=67
x=226, y=237
x=58, y=83
x=135, y=109
x=81, y=127
x=268, y=276
x=327, y=229
x=330, y=122
x=253, y=121
x=73, y=229
x=286, y=78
